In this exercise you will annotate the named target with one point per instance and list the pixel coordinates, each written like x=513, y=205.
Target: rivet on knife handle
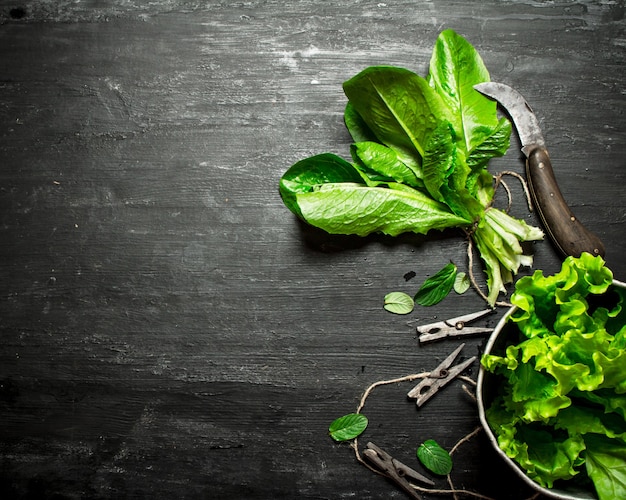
x=567, y=233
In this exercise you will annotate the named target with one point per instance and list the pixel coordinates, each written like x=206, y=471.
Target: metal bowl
x=486, y=392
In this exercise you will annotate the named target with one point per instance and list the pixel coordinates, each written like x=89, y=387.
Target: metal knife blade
x=519, y=110
x=565, y=230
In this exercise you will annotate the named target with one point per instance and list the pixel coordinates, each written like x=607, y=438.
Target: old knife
x=565, y=230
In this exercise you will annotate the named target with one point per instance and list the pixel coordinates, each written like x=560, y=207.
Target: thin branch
x=470, y=269
x=500, y=181
x=355, y=443
x=472, y=278
x=449, y=480
x=522, y=181
x=355, y=446
x=452, y=491
x=464, y=439
x=467, y=379
x=469, y=393
x=369, y=390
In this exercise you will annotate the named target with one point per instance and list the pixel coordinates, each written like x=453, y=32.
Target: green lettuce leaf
x=546, y=456
x=381, y=164
x=356, y=209
x=420, y=154
x=589, y=419
x=356, y=126
x=497, y=236
x=399, y=107
x=562, y=403
x=606, y=399
x=455, y=67
x=445, y=174
x=308, y=174
x=606, y=466
x=330, y=193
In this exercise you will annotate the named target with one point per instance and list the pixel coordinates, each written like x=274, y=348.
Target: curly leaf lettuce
x=561, y=408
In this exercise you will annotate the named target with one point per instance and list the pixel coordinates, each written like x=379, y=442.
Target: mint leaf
x=437, y=287
x=399, y=303
x=434, y=457
x=347, y=427
x=461, y=283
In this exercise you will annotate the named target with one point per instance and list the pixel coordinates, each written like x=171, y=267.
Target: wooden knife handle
x=567, y=233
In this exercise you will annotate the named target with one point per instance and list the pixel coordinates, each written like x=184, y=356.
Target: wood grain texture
x=168, y=328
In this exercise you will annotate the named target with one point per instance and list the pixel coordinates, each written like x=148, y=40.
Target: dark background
x=168, y=329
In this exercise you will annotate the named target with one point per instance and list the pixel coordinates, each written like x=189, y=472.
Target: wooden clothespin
x=395, y=470
x=439, y=377
x=453, y=327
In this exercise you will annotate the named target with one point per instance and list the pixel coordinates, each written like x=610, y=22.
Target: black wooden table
x=168, y=328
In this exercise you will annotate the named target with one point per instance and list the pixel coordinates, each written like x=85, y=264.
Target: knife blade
x=568, y=234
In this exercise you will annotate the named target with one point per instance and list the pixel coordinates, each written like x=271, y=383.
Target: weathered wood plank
x=168, y=328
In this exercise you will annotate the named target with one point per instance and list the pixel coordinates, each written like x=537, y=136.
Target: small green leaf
x=348, y=427
x=461, y=283
x=437, y=287
x=399, y=303
x=434, y=457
